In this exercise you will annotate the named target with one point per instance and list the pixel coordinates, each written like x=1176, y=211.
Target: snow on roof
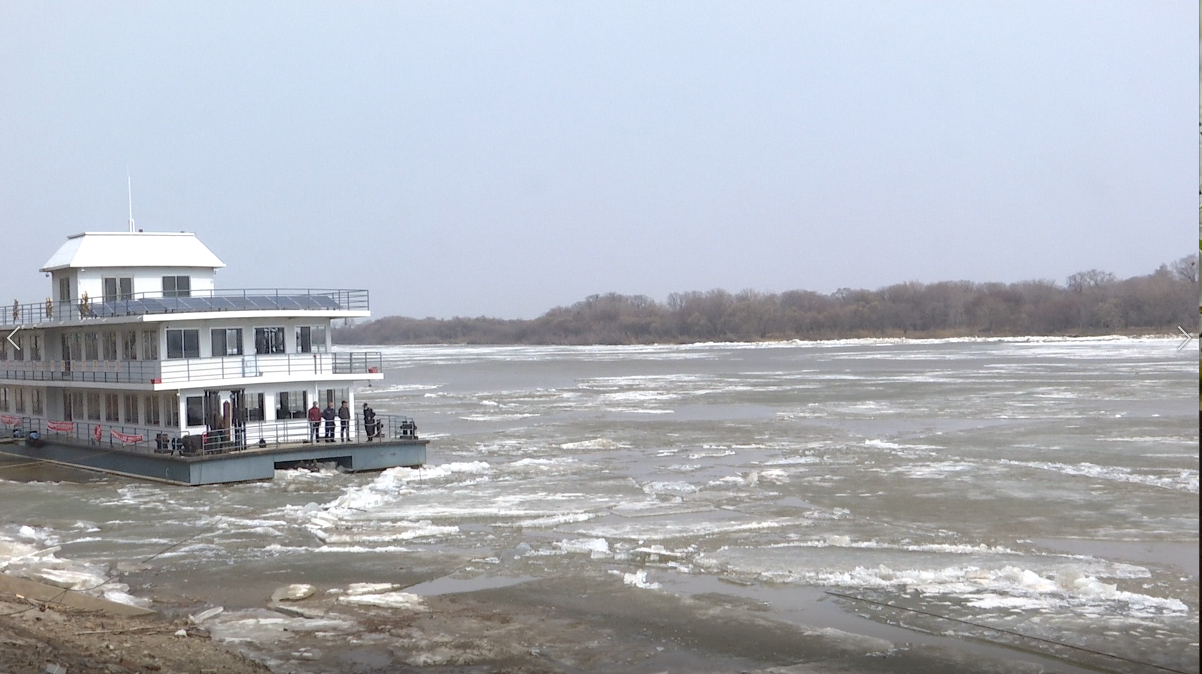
x=132, y=249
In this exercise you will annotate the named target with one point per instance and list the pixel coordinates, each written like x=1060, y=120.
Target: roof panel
x=132, y=249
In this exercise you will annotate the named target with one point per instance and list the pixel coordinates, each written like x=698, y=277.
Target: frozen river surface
x=1048, y=488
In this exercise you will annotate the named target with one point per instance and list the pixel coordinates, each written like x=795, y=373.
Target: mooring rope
x=1006, y=631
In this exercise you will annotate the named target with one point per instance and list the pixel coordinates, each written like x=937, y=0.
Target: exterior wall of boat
x=224, y=468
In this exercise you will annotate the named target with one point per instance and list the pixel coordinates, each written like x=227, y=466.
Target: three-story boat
x=137, y=364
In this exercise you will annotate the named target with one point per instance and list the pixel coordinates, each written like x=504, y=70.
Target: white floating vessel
x=138, y=365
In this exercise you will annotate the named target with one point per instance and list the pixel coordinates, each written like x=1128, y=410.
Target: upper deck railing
x=141, y=304
x=184, y=370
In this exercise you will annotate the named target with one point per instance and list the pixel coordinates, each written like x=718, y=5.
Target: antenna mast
x=130, y=185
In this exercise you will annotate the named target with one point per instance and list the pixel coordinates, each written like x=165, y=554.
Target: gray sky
x=502, y=158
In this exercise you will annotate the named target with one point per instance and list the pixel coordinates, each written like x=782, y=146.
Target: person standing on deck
x=369, y=422
x=344, y=422
x=328, y=414
x=314, y=422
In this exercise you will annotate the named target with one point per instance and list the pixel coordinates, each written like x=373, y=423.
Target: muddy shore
x=542, y=628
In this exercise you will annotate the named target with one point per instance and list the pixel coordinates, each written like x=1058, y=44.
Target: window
x=333, y=395
x=292, y=405
x=35, y=347
x=131, y=408
x=150, y=345
x=37, y=401
x=69, y=406
x=177, y=286
x=18, y=349
x=91, y=345
x=19, y=400
x=129, y=345
x=310, y=339
x=269, y=340
x=111, y=413
x=118, y=289
x=254, y=407
x=227, y=341
x=76, y=345
x=152, y=411
x=3, y=399
x=195, y=412
x=3, y=350
x=183, y=344
x=93, y=406
x=108, y=345
x=64, y=290
x=171, y=410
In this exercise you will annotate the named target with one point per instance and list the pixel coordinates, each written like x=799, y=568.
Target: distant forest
x=1090, y=302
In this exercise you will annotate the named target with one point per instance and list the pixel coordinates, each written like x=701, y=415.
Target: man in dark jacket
x=369, y=422
x=328, y=414
x=344, y=422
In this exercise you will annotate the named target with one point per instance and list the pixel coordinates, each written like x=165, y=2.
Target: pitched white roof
x=132, y=249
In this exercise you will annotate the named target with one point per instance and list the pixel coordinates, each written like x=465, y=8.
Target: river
x=1009, y=495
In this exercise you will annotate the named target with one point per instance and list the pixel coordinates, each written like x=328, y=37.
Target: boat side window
x=183, y=344
x=171, y=411
x=177, y=286
x=254, y=407
x=195, y=410
x=109, y=344
x=64, y=290
x=4, y=399
x=269, y=340
x=227, y=341
x=19, y=400
x=37, y=401
x=18, y=348
x=111, y=412
x=90, y=346
x=292, y=405
x=131, y=408
x=310, y=338
x=3, y=350
x=150, y=345
x=68, y=406
x=152, y=411
x=93, y=406
x=116, y=289
x=35, y=347
x=129, y=345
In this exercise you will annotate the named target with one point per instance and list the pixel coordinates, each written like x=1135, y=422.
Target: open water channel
x=1007, y=495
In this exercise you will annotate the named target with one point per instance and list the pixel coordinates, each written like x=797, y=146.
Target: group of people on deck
x=343, y=415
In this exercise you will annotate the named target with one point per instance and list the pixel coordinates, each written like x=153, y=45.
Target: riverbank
x=546, y=628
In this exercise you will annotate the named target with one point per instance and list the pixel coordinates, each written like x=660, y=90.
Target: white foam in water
x=1184, y=480
x=598, y=443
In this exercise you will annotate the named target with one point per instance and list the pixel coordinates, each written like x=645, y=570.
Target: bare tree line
x=1090, y=302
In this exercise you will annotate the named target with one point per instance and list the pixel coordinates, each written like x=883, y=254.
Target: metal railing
x=249, y=436
x=175, y=371
x=248, y=299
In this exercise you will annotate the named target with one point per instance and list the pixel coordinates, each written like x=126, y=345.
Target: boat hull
x=242, y=466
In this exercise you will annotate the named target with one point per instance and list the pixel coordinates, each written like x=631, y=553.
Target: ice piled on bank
x=34, y=558
x=381, y=595
x=638, y=579
x=263, y=627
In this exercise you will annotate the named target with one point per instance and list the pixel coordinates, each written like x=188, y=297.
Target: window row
x=22, y=347
x=107, y=345
x=125, y=408
x=122, y=288
x=228, y=341
x=16, y=399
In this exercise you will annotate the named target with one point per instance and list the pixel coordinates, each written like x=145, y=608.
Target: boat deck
x=251, y=463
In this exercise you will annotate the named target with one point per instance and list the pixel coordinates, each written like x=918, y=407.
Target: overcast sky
x=502, y=158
